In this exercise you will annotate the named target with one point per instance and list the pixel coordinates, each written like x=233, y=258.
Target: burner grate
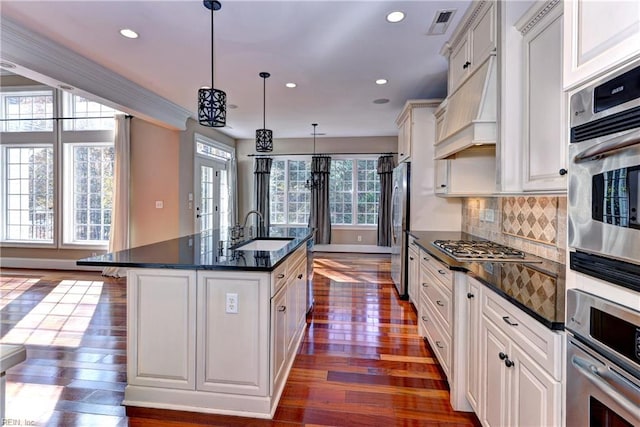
x=478, y=249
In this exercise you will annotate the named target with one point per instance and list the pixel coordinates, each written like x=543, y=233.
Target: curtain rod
x=318, y=154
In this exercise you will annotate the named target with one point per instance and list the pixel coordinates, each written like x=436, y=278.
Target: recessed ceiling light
x=381, y=81
x=7, y=65
x=128, y=33
x=380, y=101
x=292, y=85
x=395, y=16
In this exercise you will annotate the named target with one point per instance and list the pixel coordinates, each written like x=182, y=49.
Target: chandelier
x=264, y=136
x=212, y=103
x=314, y=180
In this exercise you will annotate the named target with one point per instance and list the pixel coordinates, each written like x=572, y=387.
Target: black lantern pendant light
x=264, y=137
x=313, y=181
x=212, y=103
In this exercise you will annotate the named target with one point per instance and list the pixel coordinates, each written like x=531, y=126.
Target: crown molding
x=534, y=15
x=37, y=56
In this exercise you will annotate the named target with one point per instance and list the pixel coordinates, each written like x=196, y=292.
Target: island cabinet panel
x=231, y=356
x=162, y=328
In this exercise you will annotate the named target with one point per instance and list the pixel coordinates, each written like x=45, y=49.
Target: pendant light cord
x=212, y=48
x=264, y=102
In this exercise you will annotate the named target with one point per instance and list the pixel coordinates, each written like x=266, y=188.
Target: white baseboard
x=46, y=264
x=367, y=249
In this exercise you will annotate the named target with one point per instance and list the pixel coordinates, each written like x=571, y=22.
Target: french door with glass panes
x=211, y=201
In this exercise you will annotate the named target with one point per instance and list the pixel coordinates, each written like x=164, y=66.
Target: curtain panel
x=385, y=171
x=119, y=234
x=320, y=214
x=262, y=173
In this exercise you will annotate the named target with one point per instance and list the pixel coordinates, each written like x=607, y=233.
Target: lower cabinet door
x=278, y=336
x=535, y=395
x=495, y=381
x=161, y=323
x=474, y=316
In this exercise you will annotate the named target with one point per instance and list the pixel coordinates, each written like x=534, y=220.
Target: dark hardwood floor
x=361, y=362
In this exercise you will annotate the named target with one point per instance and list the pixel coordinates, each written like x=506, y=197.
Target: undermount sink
x=264, y=244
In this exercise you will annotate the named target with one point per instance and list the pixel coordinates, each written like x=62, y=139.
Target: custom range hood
x=468, y=115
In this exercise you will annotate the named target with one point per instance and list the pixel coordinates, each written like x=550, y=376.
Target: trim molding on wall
x=41, y=59
x=45, y=264
x=367, y=249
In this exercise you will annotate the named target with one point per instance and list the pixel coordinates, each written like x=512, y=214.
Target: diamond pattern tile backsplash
x=534, y=218
x=536, y=225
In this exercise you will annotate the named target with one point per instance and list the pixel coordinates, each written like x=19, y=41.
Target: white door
x=211, y=199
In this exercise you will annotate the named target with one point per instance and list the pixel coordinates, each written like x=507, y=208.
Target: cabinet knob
x=562, y=171
x=402, y=154
x=424, y=318
x=411, y=258
x=299, y=276
x=470, y=295
x=439, y=344
x=425, y=258
x=502, y=356
x=424, y=285
x=442, y=272
x=440, y=303
x=282, y=308
x=508, y=363
x=443, y=185
x=280, y=276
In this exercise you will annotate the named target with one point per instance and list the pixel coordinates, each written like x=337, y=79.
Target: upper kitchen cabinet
x=543, y=117
x=598, y=35
x=472, y=43
x=404, y=122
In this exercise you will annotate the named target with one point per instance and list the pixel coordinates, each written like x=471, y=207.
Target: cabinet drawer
x=295, y=258
x=438, y=270
x=423, y=316
x=439, y=300
x=440, y=342
x=278, y=277
x=542, y=344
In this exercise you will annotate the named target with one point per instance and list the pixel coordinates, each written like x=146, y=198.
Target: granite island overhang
x=211, y=327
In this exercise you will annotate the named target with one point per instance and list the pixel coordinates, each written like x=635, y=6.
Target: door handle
x=506, y=319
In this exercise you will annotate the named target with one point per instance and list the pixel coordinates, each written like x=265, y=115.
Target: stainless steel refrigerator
x=400, y=226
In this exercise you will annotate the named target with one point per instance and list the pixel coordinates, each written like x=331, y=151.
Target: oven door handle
x=607, y=147
x=602, y=381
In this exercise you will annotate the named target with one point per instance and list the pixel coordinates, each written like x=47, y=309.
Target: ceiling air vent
x=441, y=21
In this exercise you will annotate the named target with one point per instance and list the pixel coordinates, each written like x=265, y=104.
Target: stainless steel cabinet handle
x=439, y=344
x=439, y=303
x=506, y=319
x=442, y=272
x=280, y=276
x=282, y=308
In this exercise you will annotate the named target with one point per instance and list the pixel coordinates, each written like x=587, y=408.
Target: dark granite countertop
x=204, y=251
x=536, y=288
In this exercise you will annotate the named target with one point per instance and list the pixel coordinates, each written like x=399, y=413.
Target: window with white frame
x=27, y=110
x=35, y=204
x=354, y=191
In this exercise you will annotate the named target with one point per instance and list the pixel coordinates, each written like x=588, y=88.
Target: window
x=91, y=183
x=29, y=193
x=354, y=191
x=36, y=206
x=27, y=111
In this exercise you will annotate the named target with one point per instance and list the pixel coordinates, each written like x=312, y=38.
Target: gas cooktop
x=480, y=250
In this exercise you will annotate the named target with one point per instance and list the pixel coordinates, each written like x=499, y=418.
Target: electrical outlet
x=488, y=215
x=159, y=204
x=232, y=303
x=359, y=238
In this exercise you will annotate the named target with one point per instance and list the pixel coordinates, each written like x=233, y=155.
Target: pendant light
x=264, y=136
x=212, y=103
x=313, y=181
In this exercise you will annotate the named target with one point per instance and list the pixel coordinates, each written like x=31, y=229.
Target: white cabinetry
x=471, y=172
x=191, y=348
x=472, y=43
x=544, y=153
x=598, y=35
x=473, y=317
x=404, y=135
x=414, y=272
x=161, y=323
x=521, y=367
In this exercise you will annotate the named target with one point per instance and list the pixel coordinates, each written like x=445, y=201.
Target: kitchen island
x=213, y=326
